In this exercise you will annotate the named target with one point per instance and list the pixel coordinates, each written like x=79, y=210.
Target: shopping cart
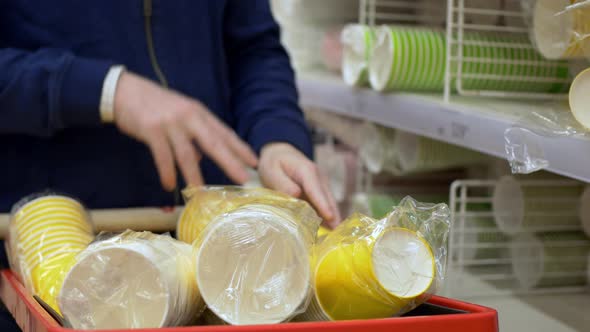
x=440, y=314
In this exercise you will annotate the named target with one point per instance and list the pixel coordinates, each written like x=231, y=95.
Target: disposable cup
x=205, y=204
x=357, y=42
x=560, y=34
x=377, y=149
x=371, y=278
x=48, y=276
x=579, y=100
x=253, y=266
x=105, y=291
x=25, y=218
x=518, y=207
x=420, y=154
x=415, y=60
x=550, y=259
x=63, y=239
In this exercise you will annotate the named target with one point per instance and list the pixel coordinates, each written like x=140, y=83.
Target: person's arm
x=48, y=90
x=264, y=101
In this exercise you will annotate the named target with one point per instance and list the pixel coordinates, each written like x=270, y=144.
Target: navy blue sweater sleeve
x=263, y=92
x=48, y=90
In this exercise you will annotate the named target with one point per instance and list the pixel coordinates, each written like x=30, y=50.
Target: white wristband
x=107, y=98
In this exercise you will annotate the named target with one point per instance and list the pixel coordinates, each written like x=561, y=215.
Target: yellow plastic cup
x=48, y=277
x=362, y=279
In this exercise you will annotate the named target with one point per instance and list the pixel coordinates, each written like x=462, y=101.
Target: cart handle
x=111, y=220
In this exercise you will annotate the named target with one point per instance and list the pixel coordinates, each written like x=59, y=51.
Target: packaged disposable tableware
x=46, y=231
x=369, y=269
x=253, y=249
x=132, y=280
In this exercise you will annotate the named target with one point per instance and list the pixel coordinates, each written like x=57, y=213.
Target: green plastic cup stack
x=418, y=154
x=414, y=59
x=521, y=208
x=545, y=260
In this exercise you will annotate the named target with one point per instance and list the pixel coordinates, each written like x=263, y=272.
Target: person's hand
x=285, y=169
x=178, y=128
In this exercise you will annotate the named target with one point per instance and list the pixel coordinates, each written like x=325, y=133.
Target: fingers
x=164, y=159
x=237, y=145
x=335, y=221
x=276, y=178
x=215, y=145
x=308, y=177
x=186, y=156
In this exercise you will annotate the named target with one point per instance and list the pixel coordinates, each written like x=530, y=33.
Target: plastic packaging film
x=560, y=28
x=357, y=43
x=415, y=59
x=46, y=232
x=368, y=268
x=253, y=249
x=132, y=280
x=550, y=259
x=519, y=207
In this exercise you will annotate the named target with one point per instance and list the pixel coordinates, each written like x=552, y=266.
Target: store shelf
x=539, y=313
x=474, y=123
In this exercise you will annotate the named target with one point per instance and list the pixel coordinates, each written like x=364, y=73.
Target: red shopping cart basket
x=440, y=314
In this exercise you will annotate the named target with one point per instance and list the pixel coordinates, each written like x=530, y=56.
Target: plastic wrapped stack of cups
x=253, y=248
x=543, y=217
x=369, y=269
x=46, y=232
x=559, y=33
x=414, y=59
x=536, y=206
x=543, y=260
x=132, y=280
x=357, y=44
x=418, y=154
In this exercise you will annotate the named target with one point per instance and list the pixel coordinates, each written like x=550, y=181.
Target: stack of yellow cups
x=368, y=269
x=253, y=248
x=46, y=232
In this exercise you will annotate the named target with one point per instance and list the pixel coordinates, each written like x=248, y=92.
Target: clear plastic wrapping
x=132, y=280
x=46, y=232
x=523, y=140
x=368, y=268
x=253, y=248
x=559, y=28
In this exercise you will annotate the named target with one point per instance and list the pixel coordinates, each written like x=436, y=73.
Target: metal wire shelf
x=480, y=249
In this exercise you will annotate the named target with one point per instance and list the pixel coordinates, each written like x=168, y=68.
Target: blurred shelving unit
x=475, y=123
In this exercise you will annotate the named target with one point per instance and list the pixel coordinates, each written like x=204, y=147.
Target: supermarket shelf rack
x=477, y=124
